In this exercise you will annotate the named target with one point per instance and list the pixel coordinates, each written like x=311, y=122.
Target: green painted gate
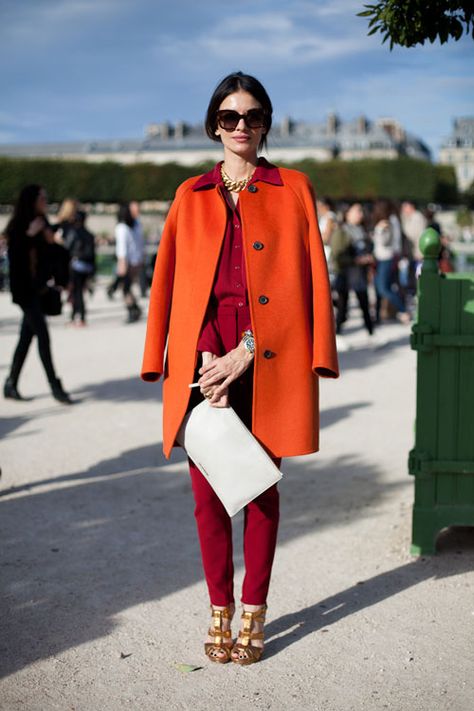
x=442, y=460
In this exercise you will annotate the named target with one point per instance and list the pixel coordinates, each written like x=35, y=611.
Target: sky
x=97, y=69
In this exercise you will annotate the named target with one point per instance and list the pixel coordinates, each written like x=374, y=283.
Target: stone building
x=458, y=150
x=288, y=141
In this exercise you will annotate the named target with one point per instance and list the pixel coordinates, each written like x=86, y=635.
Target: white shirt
x=125, y=245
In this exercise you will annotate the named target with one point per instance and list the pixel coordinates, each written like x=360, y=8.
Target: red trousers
x=261, y=515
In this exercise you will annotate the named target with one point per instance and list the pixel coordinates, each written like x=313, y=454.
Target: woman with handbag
x=241, y=295
x=31, y=253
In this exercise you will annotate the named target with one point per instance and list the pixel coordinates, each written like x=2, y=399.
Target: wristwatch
x=249, y=341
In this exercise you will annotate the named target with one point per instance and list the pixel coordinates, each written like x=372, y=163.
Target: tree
x=411, y=22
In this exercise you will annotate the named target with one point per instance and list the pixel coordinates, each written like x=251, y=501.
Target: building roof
x=462, y=135
x=333, y=135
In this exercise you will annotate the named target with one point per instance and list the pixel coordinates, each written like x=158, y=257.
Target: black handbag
x=50, y=301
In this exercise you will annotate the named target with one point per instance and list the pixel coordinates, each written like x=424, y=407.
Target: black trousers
x=33, y=324
x=78, y=285
x=342, y=304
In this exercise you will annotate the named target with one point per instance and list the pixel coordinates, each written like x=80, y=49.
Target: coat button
x=263, y=299
x=268, y=354
x=258, y=245
x=252, y=188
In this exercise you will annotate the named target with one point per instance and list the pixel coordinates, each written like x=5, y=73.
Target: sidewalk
x=102, y=586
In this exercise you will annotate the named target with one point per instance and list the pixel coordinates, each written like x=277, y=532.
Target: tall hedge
x=113, y=182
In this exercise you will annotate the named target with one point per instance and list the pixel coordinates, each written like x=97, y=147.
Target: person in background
x=81, y=245
x=327, y=220
x=129, y=258
x=139, y=235
x=65, y=219
x=355, y=258
x=385, y=256
x=446, y=256
x=30, y=251
x=413, y=226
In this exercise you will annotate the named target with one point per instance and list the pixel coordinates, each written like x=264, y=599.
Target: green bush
x=110, y=182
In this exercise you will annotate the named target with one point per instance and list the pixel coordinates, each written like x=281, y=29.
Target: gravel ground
x=102, y=590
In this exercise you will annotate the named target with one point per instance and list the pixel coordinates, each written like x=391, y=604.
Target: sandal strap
x=217, y=614
x=247, y=637
x=248, y=618
x=219, y=634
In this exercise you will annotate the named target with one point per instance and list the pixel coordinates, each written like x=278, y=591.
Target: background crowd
x=372, y=253
x=48, y=258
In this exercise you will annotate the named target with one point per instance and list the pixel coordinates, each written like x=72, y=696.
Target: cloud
x=266, y=39
x=38, y=23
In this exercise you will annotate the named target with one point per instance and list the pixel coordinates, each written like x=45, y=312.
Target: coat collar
x=264, y=171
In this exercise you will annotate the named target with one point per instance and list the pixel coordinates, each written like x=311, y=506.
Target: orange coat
x=294, y=330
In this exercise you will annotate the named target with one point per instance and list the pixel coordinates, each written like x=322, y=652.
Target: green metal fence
x=442, y=460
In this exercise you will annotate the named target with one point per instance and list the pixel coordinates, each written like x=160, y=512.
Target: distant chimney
x=180, y=130
x=152, y=130
x=332, y=123
x=393, y=128
x=158, y=130
x=286, y=127
x=362, y=124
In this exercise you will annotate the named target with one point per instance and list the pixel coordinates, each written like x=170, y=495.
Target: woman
x=31, y=254
x=385, y=252
x=81, y=246
x=241, y=291
x=353, y=255
x=129, y=258
x=65, y=219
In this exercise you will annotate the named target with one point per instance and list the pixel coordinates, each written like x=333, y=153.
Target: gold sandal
x=251, y=653
x=210, y=648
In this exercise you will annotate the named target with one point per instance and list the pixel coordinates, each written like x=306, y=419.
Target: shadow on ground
x=98, y=542
x=120, y=390
x=455, y=556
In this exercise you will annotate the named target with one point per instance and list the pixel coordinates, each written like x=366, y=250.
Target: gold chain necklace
x=235, y=186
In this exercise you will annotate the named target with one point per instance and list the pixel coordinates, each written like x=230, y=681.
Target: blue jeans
x=383, y=284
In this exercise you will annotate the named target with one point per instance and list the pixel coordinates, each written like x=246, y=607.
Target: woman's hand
x=121, y=266
x=36, y=226
x=208, y=392
x=218, y=373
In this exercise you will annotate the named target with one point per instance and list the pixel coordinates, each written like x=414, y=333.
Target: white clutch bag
x=228, y=455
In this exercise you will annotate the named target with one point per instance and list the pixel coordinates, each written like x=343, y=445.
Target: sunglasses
x=228, y=119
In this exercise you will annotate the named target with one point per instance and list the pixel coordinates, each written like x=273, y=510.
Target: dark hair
x=124, y=214
x=349, y=207
x=229, y=85
x=24, y=211
x=324, y=200
x=81, y=216
x=381, y=211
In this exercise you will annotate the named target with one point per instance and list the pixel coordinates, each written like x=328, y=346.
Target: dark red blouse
x=229, y=292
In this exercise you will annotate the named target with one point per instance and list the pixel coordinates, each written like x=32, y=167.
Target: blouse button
x=258, y=245
x=263, y=299
x=252, y=188
x=268, y=354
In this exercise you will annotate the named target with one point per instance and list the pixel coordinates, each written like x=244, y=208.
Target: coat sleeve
x=325, y=362
x=160, y=297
